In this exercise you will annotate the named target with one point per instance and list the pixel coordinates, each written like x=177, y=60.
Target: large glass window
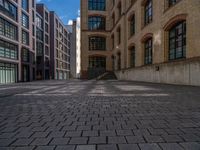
x=97, y=62
x=177, y=41
x=97, y=43
x=148, y=11
x=7, y=29
x=25, y=4
x=148, y=47
x=8, y=50
x=8, y=73
x=8, y=9
x=96, y=23
x=25, y=21
x=97, y=5
x=40, y=49
x=25, y=55
x=25, y=37
x=38, y=22
x=39, y=34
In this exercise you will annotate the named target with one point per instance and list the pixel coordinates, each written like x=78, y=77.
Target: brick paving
x=99, y=115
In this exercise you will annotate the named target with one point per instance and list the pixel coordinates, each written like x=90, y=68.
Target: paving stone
x=25, y=148
x=41, y=141
x=190, y=138
x=152, y=146
x=6, y=142
x=135, y=139
x=108, y=133
x=116, y=140
x=90, y=133
x=154, y=139
x=124, y=132
x=57, y=134
x=40, y=134
x=106, y=147
x=172, y=138
x=22, y=142
x=172, y=120
x=86, y=147
x=97, y=140
x=67, y=147
x=128, y=147
x=191, y=145
x=170, y=146
x=78, y=140
x=73, y=134
x=60, y=141
x=45, y=148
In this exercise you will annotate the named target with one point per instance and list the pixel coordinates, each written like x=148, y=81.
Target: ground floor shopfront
x=12, y=73
x=8, y=73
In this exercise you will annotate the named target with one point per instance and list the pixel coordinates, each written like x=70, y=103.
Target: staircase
x=107, y=76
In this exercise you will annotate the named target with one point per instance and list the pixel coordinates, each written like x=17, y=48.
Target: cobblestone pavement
x=99, y=115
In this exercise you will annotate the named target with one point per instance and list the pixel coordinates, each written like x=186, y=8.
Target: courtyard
x=99, y=115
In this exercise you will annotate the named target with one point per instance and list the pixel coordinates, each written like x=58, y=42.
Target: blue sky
x=65, y=9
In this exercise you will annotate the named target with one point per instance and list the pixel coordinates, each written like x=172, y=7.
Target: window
x=96, y=23
x=132, y=25
x=8, y=50
x=25, y=4
x=39, y=34
x=38, y=22
x=25, y=55
x=113, y=19
x=119, y=10
x=148, y=8
x=113, y=41
x=47, y=50
x=25, y=21
x=132, y=57
x=97, y=62
x=8, y=73
x=119, y=35
x=8, y=9
x=39, y=47
x=148, y=51
x=7, y=29
x=97, y=43
x=46, y=28
x=33, y=3
x=99, y=5
x=172, y=2
x=119, y=61
x=46, y=39
x=177, y=41
x=25, y=37
x=46, y=16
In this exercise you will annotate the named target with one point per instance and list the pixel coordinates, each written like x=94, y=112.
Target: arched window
x=96, y=23
x=148, y=50
x=148, y=12
x=97, y=43
x=177, y=41
x=99, y=5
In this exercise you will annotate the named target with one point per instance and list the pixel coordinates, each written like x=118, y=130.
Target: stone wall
x=179, y=72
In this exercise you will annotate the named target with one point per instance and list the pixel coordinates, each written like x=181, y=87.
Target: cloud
x=62, y=17
x=70, y=22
